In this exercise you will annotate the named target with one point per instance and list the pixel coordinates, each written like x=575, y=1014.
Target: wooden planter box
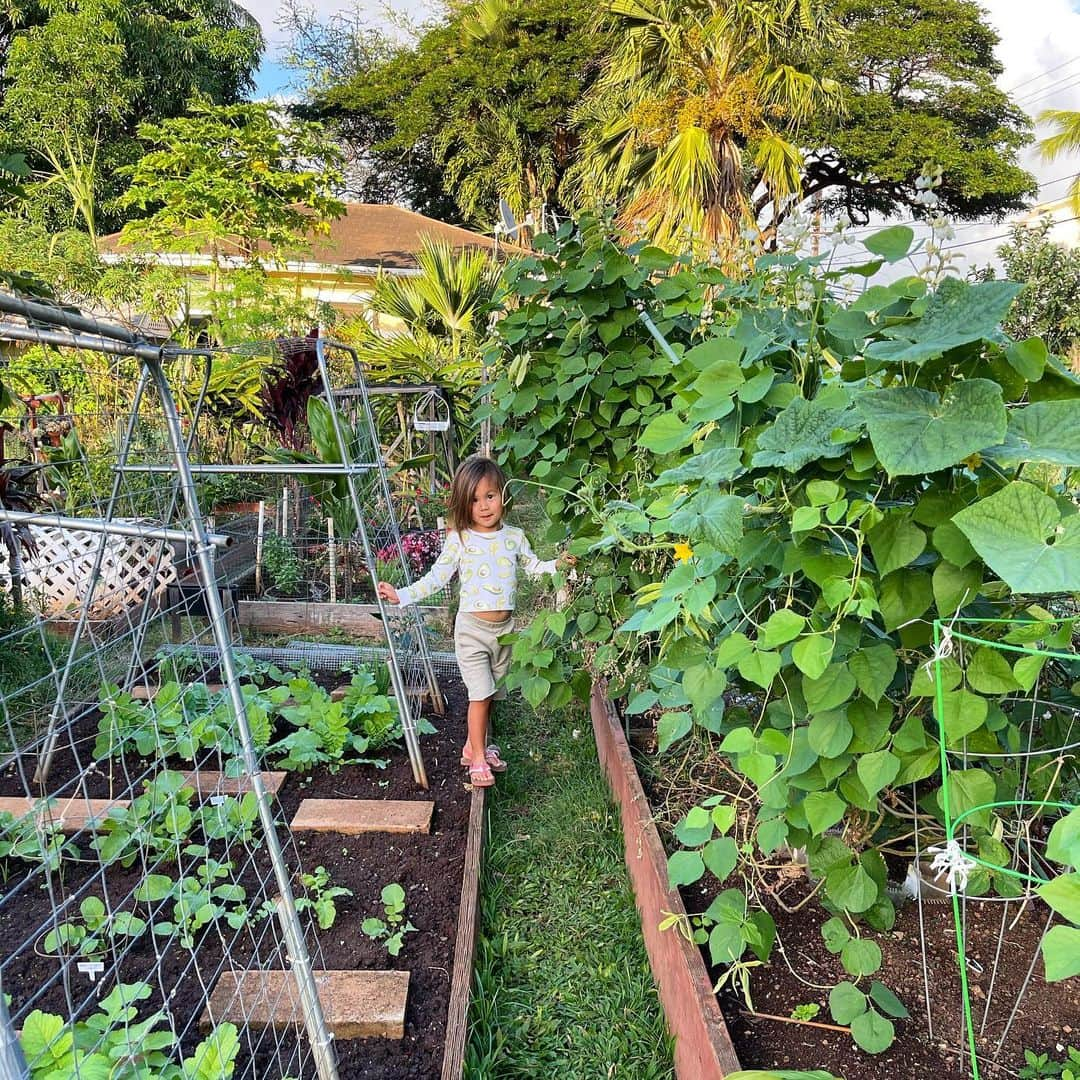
x=703, y=1049
x=302, y=616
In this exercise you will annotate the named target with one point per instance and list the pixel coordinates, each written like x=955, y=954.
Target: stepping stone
x=216, y=783
x=73, y=814
x=357, y=1004
x=355, y=816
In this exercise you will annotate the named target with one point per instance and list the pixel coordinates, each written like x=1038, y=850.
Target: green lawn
x=563, y=987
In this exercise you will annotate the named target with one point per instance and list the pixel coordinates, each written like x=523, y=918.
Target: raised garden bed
x=432, y=866
x=715, y=1034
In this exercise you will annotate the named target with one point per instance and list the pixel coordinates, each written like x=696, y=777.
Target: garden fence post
x=260, y=531
x=331, y=554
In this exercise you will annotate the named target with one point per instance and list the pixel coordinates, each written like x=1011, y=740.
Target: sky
x=1042, y=70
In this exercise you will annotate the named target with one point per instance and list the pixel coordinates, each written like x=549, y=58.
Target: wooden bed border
x=703, y=1049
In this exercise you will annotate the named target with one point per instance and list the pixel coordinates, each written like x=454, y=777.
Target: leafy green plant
x=773, y=504
x=198, y=900
x=282, y=564
x=805, y=1012
x=1040, y=1065
x=1061, y=943
x=180, y=720
x=113, y=1043
x=393, y=926
x=324, y=733
x=320, y=896
x=36, y=838
x=160, y=821
x=92, y=934
x=370, y=710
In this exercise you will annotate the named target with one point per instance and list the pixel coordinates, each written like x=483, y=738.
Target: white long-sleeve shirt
x=486, y=564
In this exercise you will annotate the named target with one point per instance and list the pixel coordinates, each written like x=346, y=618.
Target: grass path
x=563, y=987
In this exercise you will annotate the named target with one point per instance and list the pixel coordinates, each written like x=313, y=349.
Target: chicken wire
x=135, y=889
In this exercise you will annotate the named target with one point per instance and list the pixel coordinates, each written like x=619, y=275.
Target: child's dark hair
x=463, y=487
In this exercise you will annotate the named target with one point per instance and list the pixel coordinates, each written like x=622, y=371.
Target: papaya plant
x=775, y=493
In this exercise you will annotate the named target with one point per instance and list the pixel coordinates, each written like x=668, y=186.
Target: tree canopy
x=231, y=179
x=918, y=85
x=78, y=76
x=471, y=113
x=489, y=103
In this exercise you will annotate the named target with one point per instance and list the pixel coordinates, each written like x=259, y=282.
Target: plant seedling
x=390, y=928
x=321, y=896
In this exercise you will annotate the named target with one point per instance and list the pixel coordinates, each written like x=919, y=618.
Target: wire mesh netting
x=1007, y=702
x=148, y=889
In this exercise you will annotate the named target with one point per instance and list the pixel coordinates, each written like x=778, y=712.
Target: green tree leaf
x=963, y=713
x=803, y=432
x=892, y=244
x=850, y=887
x=666, y=433
x=829, y=733
x=781, y=627
x=695, y=828
x=860, y=957
x=887, y=1001
x=671, y=727
x=1025, y=539
x=988, y=672
x=760, y=668
x=1063, y=844
x=720, y=856
x=1063, y=895
x=812, y=654
x=958, y=313
x=833, y=688
x=917, y=431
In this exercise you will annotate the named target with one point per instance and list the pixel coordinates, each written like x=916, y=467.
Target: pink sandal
x=491, y=756
x=480, y=775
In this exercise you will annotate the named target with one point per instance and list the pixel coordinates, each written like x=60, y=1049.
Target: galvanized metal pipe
x=314, y=1019
x=112, y=528
x=270, y=468
x=17, y=332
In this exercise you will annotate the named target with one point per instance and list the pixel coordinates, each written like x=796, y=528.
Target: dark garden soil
x=429, y=867
x=801, y=971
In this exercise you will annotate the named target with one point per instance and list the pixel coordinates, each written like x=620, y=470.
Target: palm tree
x=700, y=102
x=440, y=317
x=1065, y=141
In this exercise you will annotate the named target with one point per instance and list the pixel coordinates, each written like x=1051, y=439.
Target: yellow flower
x=684, y=552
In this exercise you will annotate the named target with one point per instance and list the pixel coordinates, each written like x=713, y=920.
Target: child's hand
x=388, y=592
x=564, y=561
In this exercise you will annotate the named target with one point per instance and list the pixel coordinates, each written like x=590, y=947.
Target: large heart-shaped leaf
x=958, y=313
x=916, y=431
x=1025, y=539
x=1047, y=431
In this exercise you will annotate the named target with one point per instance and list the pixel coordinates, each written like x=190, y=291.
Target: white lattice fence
x=58, y=578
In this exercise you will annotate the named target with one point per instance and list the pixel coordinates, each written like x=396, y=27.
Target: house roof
x=374, y=235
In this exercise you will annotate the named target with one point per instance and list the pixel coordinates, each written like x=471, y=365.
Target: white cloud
x=266, y=11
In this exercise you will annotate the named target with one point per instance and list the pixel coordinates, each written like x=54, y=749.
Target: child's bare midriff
x=492, y=616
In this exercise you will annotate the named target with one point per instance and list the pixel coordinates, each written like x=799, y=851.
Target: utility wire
x=1042, y=75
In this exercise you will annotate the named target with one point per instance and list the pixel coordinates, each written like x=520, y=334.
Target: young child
x=485, y=554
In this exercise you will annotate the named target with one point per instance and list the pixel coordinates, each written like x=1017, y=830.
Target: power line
x=1051, y=92
x=1042, y=75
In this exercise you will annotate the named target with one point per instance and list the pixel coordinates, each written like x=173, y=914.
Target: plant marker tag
x=216, y=800
x=93, y=968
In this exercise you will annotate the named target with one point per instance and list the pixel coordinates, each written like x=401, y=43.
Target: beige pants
x=482, y=660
